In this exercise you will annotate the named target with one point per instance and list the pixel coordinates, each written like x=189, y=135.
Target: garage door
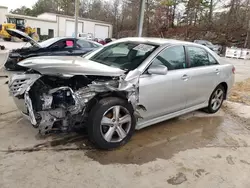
x=101, y=31
x=70, y=28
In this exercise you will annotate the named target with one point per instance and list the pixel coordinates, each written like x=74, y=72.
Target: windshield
x=48, y=42
x=125, y=55
x=20, y=22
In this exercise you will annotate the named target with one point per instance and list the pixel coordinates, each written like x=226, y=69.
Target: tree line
x=221, y=21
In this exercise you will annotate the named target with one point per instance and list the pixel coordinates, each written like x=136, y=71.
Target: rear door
x=202, y=74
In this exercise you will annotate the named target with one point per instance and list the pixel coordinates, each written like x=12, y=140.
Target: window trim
x=165, y=48
x=189, y=60
x=217, y=62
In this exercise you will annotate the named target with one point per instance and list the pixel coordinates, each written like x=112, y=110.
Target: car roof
x=156, y=41
x=60, y=38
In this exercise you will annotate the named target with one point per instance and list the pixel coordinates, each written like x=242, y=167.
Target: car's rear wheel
x=216, y=100
x=111, y=123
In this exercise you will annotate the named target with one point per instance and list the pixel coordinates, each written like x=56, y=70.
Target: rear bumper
x=230, y=83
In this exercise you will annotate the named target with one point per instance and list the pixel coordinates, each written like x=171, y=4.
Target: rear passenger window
x=212, y=60
x=173, y=58
x=198, y=57
x=83, y=44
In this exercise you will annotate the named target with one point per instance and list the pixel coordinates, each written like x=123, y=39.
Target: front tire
x=111, y=123
x=216, y=100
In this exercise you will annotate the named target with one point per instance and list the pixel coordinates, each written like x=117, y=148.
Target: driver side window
x=64, y=44
x=173, y=58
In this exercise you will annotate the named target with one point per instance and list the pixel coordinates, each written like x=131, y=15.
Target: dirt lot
x=241, y=92
x=195, y=150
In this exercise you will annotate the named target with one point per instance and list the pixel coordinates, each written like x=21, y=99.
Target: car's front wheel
x=111, y=123
x=216, y=100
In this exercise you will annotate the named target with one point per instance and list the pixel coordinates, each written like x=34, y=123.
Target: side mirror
x=158, y=69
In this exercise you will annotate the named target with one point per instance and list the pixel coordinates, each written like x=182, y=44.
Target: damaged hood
x=69, y=66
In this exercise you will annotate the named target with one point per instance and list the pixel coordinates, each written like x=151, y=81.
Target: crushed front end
x=59, y=103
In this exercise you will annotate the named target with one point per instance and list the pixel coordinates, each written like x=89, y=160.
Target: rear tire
x=216, y=100
x=111, y=123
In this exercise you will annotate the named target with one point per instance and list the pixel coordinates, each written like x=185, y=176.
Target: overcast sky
x=13, y=4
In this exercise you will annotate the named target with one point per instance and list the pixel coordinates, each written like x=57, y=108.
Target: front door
x=164, y=94
x=64, y=47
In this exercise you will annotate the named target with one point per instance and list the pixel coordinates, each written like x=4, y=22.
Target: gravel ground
x=195, y=150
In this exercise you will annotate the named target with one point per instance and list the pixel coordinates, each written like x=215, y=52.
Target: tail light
x=233, y=70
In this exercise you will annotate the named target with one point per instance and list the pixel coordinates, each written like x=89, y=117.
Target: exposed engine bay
x=63, y=102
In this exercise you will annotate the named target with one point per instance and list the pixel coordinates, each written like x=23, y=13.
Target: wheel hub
x=115, y=128
x=217, y=99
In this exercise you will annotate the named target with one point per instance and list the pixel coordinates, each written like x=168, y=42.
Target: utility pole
x=141, y=18
x=247, y=37
x=248, y=26
x=76, y=17
x=211, y=9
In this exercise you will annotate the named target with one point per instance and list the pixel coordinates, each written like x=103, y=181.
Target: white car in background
x=86, y=36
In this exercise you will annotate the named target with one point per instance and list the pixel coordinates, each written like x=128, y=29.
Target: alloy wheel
x=217, y=99
x=115, y=124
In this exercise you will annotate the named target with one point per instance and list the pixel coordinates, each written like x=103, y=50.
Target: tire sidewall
x=96, y=116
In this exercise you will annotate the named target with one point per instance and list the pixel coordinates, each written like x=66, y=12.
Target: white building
x=61, y=25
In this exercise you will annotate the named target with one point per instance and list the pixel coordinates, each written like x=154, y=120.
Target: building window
x=38, y=30
x=51, y=33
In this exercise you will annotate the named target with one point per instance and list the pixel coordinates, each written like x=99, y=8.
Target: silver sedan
x=128, y=84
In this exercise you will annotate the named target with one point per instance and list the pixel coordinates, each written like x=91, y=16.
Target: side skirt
x=144, y=124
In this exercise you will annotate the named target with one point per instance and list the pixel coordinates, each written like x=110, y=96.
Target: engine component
x=47, y=101
x=62, y=98
x=48, y=118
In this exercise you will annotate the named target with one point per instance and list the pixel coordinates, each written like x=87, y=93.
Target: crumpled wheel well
x=98, y=97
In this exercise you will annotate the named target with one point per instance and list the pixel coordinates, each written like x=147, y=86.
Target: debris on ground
x=241, y=92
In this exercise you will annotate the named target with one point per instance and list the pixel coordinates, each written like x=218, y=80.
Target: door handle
x=185, y=77
x=217, y=71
